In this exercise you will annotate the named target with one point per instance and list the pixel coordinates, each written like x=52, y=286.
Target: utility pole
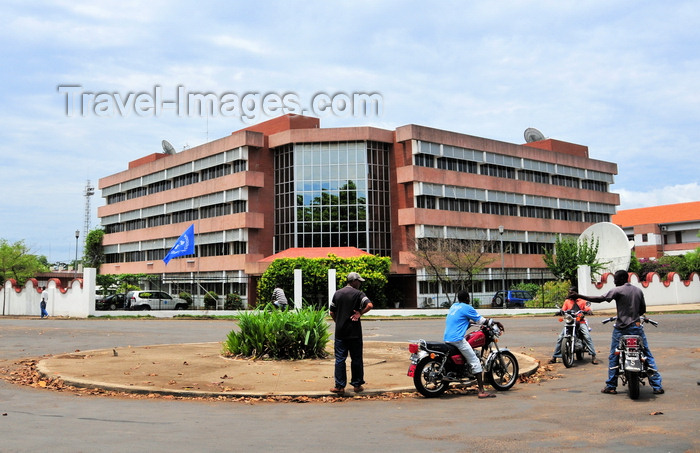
x=89, y=191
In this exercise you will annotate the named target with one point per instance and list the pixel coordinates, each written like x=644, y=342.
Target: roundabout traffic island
x=200, y=371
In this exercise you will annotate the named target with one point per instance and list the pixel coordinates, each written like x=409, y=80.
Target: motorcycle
x=632, y=366
x=572, y=343
x=436, y=365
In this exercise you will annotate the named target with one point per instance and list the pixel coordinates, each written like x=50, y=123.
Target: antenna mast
x=89, y=191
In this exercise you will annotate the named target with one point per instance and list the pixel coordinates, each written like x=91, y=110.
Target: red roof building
x=662, y=230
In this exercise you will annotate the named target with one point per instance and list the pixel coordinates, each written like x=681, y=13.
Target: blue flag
x=183, y=246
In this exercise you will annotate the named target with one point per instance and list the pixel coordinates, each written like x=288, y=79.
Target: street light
x=503, y=273
x=75, y=269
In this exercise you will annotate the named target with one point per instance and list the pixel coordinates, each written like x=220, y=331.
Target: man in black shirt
x=347, y=306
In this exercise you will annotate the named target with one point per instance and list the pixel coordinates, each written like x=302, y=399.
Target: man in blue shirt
x=456, y=325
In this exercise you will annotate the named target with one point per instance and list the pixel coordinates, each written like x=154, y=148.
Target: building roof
x=670, y=213
x=316, y=252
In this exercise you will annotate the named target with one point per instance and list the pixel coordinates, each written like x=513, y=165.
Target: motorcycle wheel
x=428, y=379
x=504, y=371
x=633, y=384
x=567, y=355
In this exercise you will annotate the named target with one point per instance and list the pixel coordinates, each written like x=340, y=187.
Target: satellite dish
x=167, y=147
x=613, y=245
x=533, y=135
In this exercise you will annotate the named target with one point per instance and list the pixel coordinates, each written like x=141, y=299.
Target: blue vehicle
x=513, y=298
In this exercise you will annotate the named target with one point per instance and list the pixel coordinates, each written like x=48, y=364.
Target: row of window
x=500, y=171
x=217, y=249
x=179, y=181
x=508, y=209
x=187, y=215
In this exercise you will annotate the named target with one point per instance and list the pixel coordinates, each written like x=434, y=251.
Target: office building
x=288, y=184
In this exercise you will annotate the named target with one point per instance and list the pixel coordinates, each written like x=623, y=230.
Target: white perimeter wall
x=673, y=292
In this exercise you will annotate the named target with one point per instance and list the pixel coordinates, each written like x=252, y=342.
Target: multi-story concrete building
x=670, y=229
x=288, y=183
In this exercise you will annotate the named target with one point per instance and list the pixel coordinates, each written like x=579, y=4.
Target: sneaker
x=659, y=391
x=358, y=388
x=338, y=390
x=552, y=360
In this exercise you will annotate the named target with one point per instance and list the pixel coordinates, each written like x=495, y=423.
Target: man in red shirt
x=576, y=304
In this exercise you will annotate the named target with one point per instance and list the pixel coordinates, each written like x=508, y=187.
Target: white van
x=153, y=300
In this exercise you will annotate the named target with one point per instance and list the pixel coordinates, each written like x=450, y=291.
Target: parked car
x=513, y=298
x=154, y=300
x=113, y=302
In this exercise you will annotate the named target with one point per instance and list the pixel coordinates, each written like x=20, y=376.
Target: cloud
x=680, y=193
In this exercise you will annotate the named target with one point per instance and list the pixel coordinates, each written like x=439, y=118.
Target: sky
x=87, y=87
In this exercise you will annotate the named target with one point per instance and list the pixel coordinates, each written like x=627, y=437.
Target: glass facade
x=333, y=194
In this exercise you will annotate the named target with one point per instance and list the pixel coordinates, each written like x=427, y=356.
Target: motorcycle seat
x=440, y=347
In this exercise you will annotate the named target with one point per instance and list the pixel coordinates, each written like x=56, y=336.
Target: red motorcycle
x=436, y=365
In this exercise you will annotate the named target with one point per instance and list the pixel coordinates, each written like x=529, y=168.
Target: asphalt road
x=564, y=411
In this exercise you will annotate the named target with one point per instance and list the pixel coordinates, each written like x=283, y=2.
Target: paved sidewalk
x=200, y=370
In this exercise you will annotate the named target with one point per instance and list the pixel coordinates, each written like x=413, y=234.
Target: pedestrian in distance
x=279, y=299
x=631, y=305
x=44, y=302
x=347, y=307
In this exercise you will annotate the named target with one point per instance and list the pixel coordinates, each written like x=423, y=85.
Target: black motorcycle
x=632, y=366
x=572, y=343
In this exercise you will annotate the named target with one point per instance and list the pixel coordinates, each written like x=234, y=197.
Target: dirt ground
x=200, y=369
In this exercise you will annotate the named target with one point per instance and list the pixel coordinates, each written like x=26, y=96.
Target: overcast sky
x=622, y=78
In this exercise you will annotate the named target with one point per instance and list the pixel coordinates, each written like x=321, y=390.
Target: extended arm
x=596, y=299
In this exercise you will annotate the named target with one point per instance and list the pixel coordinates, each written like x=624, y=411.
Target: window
x=499, y=209
x=424, y=160
x=158, y=187
x=598, y=186
x=498, y=171
x=463, y=166
x=533, y=176
x=184, y=180
x=215, y=172
x=566, y=181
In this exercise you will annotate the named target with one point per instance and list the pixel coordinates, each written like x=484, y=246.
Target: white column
x=331, y=285
x=297, y=289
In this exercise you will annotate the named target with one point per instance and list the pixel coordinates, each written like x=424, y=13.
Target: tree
x=373, y=269
x=453, y=262
x=93, y=254
x=17, y=262
x=569, y=254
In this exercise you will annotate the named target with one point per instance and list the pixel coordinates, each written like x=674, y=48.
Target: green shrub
x=233, y=302
x=210, y=299
x=279, y=334
x=531, y=288
x=551, y=294
x=186, y=296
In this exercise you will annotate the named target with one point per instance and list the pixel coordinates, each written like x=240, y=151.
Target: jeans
x=357, y=372
x=613, y=360
x=583, y=328
x=468, y=352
